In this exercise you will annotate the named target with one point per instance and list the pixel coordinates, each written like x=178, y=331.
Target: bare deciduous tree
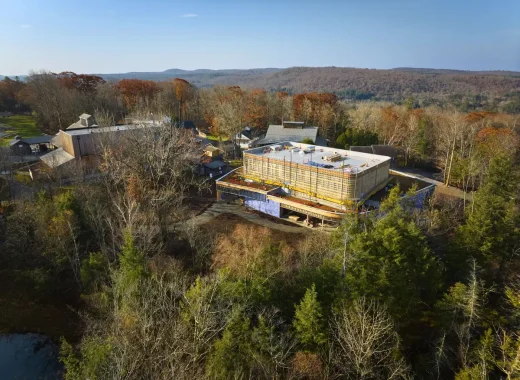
x=367, y=345
x=148, y=171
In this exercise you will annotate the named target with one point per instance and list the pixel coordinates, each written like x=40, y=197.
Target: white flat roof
x=355, y=162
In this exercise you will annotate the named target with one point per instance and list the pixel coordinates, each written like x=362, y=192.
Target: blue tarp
x=326, y=166
x=267, y=207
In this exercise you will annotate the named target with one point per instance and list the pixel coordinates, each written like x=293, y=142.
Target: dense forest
x=467, y=90
x=399, y=294
x=457, y=143
x=491, y=90
x=389, y=84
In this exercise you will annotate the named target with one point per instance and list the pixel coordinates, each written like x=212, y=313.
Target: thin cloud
x=25, y=26
x=190, y=15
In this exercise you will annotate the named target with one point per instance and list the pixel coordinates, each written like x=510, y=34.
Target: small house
x=247, y=137
x=212, y=151
x=214, y=168
x=26, y=146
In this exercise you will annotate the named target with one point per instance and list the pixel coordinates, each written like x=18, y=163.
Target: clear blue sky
x=109, y=36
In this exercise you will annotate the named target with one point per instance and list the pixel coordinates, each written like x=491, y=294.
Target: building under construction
x=320, y=182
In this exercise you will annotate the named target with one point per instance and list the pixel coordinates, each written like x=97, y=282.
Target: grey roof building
x=29, y=145
x=56, y=158
x=31, y=140
x=280, y=133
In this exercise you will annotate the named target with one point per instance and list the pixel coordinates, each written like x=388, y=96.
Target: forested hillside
x=432, y=86
x=388, y=84
x=136, y=287
x=352, y=83
x=199, y=78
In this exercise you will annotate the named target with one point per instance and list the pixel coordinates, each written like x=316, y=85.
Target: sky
x=117, y=36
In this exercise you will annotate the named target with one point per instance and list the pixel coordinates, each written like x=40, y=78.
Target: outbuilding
x=26, y=146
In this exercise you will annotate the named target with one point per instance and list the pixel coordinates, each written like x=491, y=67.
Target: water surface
x=29, y=356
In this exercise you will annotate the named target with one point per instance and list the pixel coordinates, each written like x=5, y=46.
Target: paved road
x=219, y=208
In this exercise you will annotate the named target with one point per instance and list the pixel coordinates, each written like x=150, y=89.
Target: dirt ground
x=227, y=222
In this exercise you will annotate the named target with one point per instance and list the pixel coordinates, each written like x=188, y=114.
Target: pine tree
x=391, y=261
x=308, y=320
x=132, y=262
x=492, y=229
x=230, y=356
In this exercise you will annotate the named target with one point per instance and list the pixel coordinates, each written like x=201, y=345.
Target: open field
x=23, y=125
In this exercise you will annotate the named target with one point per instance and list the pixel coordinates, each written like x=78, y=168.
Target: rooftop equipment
x=333, y=158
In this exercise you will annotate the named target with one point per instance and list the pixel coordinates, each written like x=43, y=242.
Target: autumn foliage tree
x=137, y=92
x=256, y=103
x=10, y=95
x=492, y=140
x=81, y=82
x=183, y=93
x=307, y=106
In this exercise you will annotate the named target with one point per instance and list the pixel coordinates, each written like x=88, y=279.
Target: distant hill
x=458, y=72
x=349, y=82
x=199, y=78
x=352, y=83
x=388, y=84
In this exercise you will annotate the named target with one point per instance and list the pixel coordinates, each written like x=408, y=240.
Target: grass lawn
x=23, y=125
x=216, y=138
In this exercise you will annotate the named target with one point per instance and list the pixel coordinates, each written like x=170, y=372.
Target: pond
x=29, y=356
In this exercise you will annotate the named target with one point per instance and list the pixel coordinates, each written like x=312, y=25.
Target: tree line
x=460, y=144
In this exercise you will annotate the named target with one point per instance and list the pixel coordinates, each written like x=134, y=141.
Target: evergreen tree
x=229, y=358
x=132, y=262
x=391, y=261
x=308, y=320
x=355, y=137
x=492, y=230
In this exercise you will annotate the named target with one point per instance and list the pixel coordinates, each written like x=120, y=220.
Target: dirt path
x=218, y=208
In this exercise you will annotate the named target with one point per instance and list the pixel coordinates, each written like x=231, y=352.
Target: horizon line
x=279, y=68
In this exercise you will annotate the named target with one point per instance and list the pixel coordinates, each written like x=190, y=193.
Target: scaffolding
x=346, y=185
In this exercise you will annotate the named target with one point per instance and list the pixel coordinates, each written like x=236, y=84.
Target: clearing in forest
x=23, y=125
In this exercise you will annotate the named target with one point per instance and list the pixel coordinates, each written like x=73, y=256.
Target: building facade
x=320, y=182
